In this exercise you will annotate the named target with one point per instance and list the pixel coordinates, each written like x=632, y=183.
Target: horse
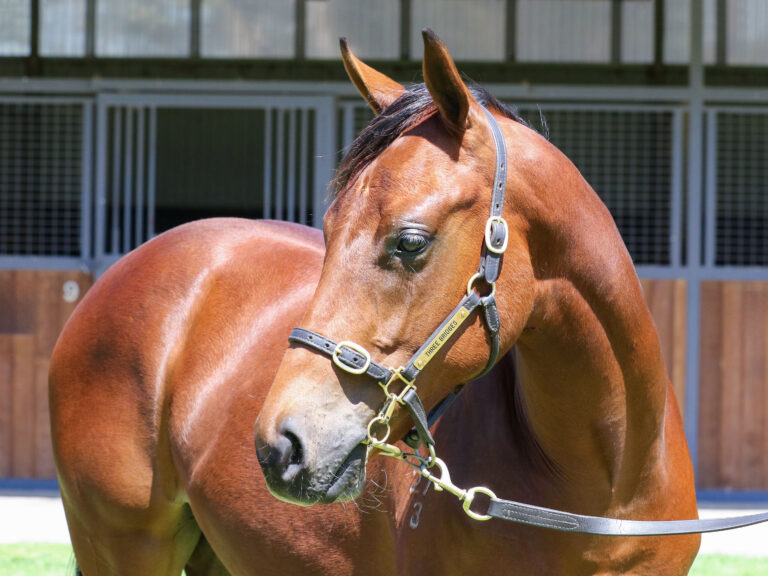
x=577, y=413
x=154, y=385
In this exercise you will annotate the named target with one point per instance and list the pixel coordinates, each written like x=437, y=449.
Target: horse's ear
x=445, y=84
x=377, y=89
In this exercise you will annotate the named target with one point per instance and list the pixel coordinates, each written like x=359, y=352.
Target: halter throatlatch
x=400, y=390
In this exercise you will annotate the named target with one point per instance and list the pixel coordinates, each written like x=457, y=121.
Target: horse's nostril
x=282, y=455
x=292, y=454
x=296, y=456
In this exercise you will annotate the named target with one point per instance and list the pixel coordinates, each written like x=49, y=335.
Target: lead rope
x=354, y=359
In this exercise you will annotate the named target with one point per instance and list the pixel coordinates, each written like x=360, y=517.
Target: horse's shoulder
x=165, y=275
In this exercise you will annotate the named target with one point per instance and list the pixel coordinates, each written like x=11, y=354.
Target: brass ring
x=470, y=496
x=472, y=281
x=371, y=438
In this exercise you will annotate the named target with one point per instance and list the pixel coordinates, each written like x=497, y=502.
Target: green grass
x=717, y=565
x=30, y=559
x=57, y=560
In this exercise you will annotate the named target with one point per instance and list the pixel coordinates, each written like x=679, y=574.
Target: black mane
x=410, y=109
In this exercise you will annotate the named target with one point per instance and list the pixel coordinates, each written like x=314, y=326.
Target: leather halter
x=355, y=359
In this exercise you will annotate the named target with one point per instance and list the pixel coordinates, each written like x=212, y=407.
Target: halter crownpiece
x=355, y=359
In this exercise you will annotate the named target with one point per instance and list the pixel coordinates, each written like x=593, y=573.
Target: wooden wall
x=733, y=393
x=32, y=313
x=666, y=300
x=733, y=376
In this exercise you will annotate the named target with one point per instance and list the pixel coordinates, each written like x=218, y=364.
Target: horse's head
x=404, y=235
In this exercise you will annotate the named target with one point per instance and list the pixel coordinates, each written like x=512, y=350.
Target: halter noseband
x=355, y=359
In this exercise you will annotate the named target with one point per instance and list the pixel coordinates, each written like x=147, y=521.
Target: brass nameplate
x=445, y=335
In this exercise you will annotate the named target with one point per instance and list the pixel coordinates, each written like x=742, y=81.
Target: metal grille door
x=632, y=159
x=43, y=177
x=738, y=187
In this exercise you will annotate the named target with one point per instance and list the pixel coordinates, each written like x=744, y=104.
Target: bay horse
x=155, y=382
x=159, y=373
x=577, y=415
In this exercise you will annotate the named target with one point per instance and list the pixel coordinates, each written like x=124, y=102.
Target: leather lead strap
x=577, y=523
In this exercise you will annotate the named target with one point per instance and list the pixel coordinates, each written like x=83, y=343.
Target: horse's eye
x=412, y=242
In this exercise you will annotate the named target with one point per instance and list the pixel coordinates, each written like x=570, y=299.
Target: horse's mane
x=411, y=108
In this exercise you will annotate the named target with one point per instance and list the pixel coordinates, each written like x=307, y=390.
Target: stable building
x=120, y=119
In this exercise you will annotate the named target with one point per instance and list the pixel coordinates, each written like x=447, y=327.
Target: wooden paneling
x=32, y=313
x=24, y=394
x=666, y=300
x=733, y=399
x=6, y=404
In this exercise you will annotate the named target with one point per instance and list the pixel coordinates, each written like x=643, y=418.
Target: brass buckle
x=336, y=357
x=488, y=225
x=370, y=434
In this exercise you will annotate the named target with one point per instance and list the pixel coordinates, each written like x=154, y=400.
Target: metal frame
x=348, y=122
x=405, y=23
x=90, y=28
x=535, y=92
x=86, y=203
x=710, y=190
x=693, y=236
x=676, y=212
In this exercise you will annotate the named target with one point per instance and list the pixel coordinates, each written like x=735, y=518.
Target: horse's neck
x=591, y=377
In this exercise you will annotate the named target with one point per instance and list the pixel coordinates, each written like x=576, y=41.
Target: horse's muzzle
x=285, y=463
